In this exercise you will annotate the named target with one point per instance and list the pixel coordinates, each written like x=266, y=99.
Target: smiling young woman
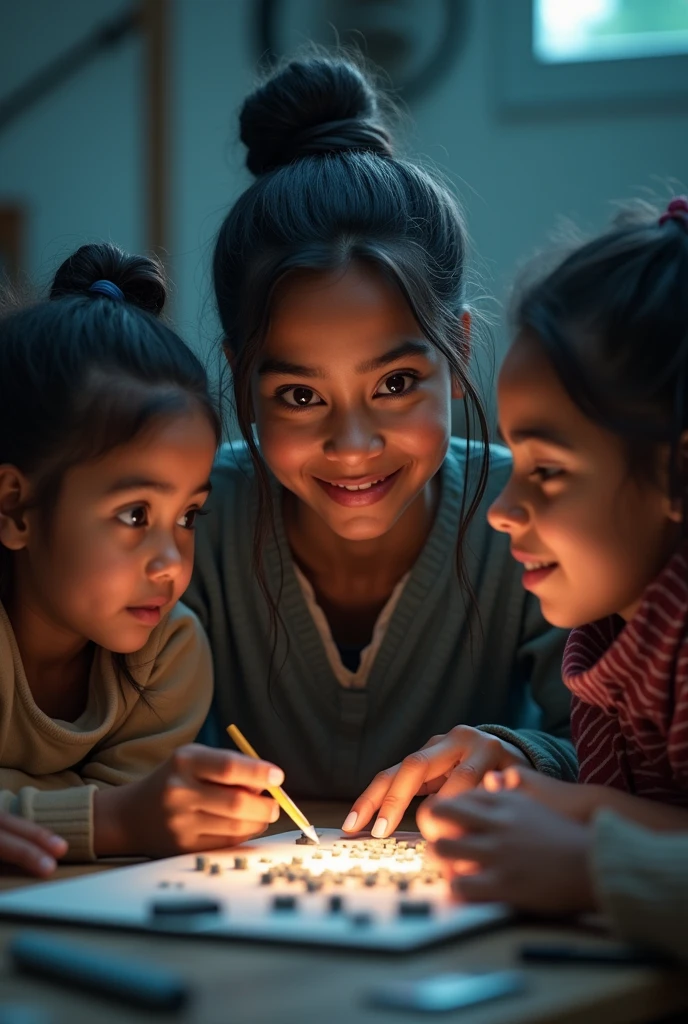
x=349, y=584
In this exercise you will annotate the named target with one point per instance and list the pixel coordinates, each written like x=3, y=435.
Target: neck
x=50, y=652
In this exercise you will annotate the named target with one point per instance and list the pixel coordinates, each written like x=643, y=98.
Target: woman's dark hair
x=83, y=372
x=329, y=191
x=613, y=319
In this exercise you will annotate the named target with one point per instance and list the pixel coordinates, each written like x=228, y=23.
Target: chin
x=363, y=529
x=565, y=618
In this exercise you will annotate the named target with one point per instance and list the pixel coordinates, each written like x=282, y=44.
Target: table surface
x=235, y=982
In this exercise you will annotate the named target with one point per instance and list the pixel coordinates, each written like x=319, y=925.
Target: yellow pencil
x=285, y=802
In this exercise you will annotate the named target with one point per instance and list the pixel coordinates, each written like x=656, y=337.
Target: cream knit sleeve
x=641, y=879
x=175, y=669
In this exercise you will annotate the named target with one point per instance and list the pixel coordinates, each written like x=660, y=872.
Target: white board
x=407, y=906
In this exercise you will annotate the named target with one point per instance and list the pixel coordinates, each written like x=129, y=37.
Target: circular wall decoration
x=413, y=41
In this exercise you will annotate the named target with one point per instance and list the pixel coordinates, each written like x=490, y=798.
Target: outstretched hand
x=27, y=846
x=508, y=847
x=448, y=764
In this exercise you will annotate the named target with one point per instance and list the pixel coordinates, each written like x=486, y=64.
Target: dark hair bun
x=312, y=106
x=140, y=278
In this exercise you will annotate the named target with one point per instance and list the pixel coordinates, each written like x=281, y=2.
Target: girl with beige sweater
x=107, y=438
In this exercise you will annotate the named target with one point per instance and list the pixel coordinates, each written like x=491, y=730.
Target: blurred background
x=118, y=120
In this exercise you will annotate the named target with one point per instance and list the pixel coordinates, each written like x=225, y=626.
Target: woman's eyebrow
x=406, y=348
x=280, y=367
x=283, y=368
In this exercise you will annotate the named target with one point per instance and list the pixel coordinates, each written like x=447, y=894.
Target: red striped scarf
x=629, y=711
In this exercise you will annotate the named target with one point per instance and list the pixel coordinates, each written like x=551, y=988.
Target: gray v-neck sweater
x=430, y=673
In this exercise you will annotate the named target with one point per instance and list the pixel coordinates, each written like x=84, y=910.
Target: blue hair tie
x=113, y=291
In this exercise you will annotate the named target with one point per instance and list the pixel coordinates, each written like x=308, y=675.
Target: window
x=586, y=30
x=590, y=54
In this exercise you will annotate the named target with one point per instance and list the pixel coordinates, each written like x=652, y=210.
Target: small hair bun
x=140, y=278
x=312, y=106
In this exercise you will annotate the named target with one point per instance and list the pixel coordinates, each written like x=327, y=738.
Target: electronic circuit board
x=354, y=892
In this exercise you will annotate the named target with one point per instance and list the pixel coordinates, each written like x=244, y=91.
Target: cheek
x=88, y=564
x=286, y=446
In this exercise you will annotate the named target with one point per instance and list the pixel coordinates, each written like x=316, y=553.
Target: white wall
x=76, y=159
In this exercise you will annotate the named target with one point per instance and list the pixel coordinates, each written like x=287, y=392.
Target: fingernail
x=275, y=814
x=379, y=828
x=350, y=822
x=46, y=863
x=275, y=776
x=57, y=843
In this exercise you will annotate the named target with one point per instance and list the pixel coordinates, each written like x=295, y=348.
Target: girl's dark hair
x=329, y=190
x=613, y=319
x=82, y=373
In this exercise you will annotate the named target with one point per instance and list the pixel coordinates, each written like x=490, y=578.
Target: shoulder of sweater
x=464, y=451
x=233, y=475
x=179, y=628
x=466, y=456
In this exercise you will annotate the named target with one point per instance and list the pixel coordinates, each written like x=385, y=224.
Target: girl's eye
x=188, y=520
x=398, y=384
x=135, y=517
x=545, y=473
x=300, y=398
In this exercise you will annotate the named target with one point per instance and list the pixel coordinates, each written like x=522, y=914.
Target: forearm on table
x=650, y=813
x=111, y=836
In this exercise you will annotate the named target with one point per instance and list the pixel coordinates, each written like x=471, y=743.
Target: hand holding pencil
x=285, y=802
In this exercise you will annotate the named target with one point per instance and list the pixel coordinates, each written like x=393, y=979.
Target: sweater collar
x=603, y=657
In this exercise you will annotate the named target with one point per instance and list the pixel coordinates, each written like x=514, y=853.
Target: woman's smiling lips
x=535, y=569
x=357, y=491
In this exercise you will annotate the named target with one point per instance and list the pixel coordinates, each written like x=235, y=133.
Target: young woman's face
x=591, y=535
x=119, y=547
x=352, y=403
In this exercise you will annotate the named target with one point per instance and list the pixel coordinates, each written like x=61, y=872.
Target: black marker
x=614, y=956
x=151, y=987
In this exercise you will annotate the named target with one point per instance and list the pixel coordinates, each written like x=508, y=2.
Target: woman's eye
x=302, y=398
x=136, y=516
x=545, y=473
x=398, y=384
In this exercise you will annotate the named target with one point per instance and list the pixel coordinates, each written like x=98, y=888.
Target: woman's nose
x=353, y=438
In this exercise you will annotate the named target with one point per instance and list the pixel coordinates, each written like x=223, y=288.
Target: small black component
x=201, y=863
x=186, y=905
x=266, y=878
x=415, y=908
x=284, y=902
x=360, y=920
x=304, y=840
x=314, y=884
x=403, y=884
x=336, y=904
x=240, y=863
x=215, y=869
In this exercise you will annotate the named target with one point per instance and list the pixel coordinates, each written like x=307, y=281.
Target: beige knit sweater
x=50, y=769
x=641, y=879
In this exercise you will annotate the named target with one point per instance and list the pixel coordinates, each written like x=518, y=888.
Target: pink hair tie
x=676, y=210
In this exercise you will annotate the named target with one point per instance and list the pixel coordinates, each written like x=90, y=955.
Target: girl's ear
x=465, y=348
x=14, y=492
